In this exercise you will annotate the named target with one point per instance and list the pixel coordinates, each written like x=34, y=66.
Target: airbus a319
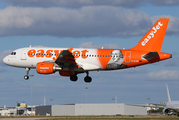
x=72, y=61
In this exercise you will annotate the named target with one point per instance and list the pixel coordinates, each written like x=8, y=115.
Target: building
x=13, y=111
x=8, y=111
x=90, y=109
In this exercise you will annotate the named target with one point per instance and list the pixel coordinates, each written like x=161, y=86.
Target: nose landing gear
x=26, y=77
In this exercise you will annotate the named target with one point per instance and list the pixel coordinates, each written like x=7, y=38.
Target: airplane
x=72, y=61
x=171, y=106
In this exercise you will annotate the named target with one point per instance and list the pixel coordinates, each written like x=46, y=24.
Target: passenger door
x=23, y=55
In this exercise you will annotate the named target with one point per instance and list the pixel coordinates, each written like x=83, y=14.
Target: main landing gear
x=87, y=79
x=73, y=78
x=26, y=77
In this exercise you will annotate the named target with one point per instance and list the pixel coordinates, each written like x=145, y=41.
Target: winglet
x=153, y=40
x=168, y=94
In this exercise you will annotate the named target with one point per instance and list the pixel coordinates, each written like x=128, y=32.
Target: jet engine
x=168, y=111
x=47, y=68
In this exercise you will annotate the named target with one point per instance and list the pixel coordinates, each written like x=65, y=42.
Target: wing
x=153, y=105
x=66, y=59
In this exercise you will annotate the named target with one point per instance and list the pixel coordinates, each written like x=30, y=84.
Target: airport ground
x=137, y=117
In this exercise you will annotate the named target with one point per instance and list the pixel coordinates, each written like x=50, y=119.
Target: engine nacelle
x=47, y=68
x=166, y=110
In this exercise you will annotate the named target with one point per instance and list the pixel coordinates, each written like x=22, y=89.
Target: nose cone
x=5, y=60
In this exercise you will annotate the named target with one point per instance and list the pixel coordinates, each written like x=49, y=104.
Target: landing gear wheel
x=87, y=79
x=26, y=77
x=73, y=78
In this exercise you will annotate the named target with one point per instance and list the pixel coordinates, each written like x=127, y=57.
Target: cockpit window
x=13, y=53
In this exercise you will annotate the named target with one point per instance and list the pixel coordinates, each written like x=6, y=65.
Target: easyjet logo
x=152, y=33
x=55, y=53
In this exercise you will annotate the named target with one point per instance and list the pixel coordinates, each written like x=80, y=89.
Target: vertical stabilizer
x=168, y=94
x=153, y=40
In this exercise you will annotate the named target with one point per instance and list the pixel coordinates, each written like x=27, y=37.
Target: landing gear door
x=23, y=55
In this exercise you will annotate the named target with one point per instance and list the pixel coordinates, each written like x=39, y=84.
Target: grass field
x=147, y=117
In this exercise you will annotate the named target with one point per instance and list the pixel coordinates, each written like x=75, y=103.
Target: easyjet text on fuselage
x=41, y=53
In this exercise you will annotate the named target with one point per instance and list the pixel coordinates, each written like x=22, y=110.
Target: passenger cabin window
x=13, y=53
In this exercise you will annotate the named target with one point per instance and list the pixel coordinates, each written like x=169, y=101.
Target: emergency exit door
x=127, y=57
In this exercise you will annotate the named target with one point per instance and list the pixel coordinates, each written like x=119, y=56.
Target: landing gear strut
x=87, y=79
x=26, y=77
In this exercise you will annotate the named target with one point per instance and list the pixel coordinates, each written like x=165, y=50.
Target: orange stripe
x=104, y=60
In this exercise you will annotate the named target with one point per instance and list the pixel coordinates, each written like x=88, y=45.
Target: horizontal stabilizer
x=151, y=55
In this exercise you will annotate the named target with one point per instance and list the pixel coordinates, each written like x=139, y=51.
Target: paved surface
x=147, y=117
x=23, y=118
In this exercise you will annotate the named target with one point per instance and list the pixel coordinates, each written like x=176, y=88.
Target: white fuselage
x=25, y=59
x=173, y=105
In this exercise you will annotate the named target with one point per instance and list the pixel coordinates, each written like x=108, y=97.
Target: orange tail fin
x=153, y=40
